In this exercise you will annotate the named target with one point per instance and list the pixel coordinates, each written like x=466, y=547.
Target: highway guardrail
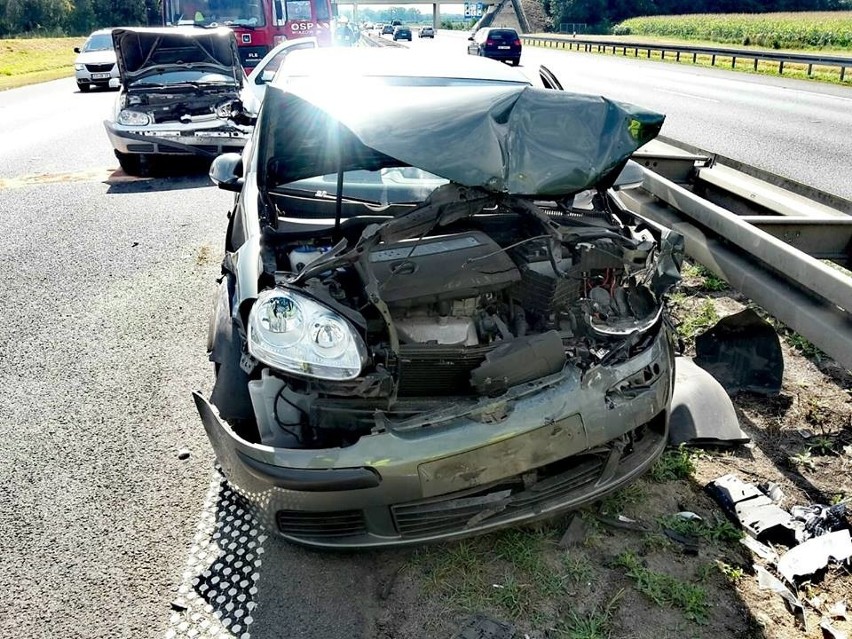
x=676, y=51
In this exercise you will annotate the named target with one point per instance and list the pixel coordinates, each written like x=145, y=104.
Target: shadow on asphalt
x=169, y=174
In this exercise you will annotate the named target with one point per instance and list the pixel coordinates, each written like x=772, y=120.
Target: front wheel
x=84, y=88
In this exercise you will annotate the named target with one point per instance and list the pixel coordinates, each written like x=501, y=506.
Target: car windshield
x=99, y=42
x=191, y=77
x=395, y=185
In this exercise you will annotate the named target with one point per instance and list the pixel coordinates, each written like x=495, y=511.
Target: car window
x=273, y=65
x=298, y=10
x=503, y=35
x=100, y=42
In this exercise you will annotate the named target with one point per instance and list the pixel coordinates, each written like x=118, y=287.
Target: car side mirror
x=266, y=76
x=470, y=38
x=76, y=49
x=226, y=171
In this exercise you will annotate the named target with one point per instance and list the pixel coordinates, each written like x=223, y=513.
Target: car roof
x=392, y=62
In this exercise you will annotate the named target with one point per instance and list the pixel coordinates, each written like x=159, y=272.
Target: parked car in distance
x=402, y=33
x=447, y=345
x=426, y=32
x=95, y=63
x=496, y=43
x=180, y=95
x=387, y=29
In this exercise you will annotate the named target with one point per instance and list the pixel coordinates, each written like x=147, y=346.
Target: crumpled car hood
x=142, y=51
x=514, y=139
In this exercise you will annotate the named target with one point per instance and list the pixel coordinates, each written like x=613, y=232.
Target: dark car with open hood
x=434, y=320
x=180, y=95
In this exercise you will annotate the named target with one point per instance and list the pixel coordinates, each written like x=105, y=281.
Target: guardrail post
x=842, y=73
x=810, y=68
x=713, y=60
x=623, y=51
x=694, y=57
x=649, y=53
x=677, y=56
x=755, y=64
x=662, y=54
x=733, y=62
x=636, y=52
x=781, y=68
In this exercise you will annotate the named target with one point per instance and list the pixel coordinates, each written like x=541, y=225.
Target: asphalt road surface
x=106, y=531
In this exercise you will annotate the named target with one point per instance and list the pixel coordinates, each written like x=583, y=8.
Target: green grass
x=723, y=531
x=630, y=495
x=792, y=30
x=674, y=464
x=665, y=590
x=708, y=281
x=596, y=624
x=701, y=317
x=27, y=61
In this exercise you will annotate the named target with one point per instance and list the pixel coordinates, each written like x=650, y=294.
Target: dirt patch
x=644, y=585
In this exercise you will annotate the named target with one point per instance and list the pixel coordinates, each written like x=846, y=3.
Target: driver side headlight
x=79, y=67
x=133, y=118
x=293, y=333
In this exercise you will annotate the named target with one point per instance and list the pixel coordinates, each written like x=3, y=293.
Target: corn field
x=814, y=30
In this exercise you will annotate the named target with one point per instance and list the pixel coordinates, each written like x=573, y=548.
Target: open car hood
x=140, y=52
x=514, y=138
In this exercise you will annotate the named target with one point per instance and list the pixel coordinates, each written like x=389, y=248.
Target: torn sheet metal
x=829, y=631
x=702, y=412
x=743, y=352
x=768, y=581
x=814, y=555
x=761, y=550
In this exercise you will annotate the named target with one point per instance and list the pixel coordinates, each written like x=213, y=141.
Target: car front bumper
x=211, y=139
x=96, y=79
x=554, y=445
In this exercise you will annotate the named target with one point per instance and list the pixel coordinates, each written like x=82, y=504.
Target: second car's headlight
x=127, y=117
x=79, y=67
x=292, y=332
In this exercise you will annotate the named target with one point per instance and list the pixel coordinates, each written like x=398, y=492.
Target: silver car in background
x=95, y=65
x=180, y=95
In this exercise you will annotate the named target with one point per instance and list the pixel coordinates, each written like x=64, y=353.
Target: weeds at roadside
x=665, y=590
x=616, y=502
x=674, y=464
x=721, y=531
x=733, y=574
x=699, y=318
x=592, y=625
x=708, y=281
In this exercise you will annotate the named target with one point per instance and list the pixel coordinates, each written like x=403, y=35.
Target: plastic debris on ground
x=819, y=519
x=702, y=413
x=480, y=626
x=815, y=554
x=829, y=631
x=768, y=581
x=575, y=534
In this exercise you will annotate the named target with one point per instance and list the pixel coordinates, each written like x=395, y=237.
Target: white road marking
x=689, y=95
x=218, y=591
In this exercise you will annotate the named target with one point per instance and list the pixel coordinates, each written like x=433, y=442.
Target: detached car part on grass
x=471, y=336
x=180, y=95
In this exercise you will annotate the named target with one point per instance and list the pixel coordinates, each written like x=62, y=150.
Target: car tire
x=130, y=163
x=516, y=62
x=84, y=88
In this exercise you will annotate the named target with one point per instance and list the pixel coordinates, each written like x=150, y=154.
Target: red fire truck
x=258, y=24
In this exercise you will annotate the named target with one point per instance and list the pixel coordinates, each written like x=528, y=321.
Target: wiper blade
x=325, y=195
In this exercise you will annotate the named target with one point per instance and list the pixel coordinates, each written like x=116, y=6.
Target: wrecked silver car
x=433, y=319
x=180, y=95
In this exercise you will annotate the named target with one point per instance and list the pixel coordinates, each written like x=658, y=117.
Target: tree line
x=73, y=17
x=600, y=15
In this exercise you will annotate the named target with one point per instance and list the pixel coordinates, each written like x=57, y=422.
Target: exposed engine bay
x=462, y=298
x=182, y=104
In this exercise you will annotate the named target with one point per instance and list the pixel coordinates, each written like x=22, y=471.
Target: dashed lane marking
x=110, y=176
x=218, y=591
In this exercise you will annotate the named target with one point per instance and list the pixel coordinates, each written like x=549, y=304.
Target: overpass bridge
x=436, y=6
